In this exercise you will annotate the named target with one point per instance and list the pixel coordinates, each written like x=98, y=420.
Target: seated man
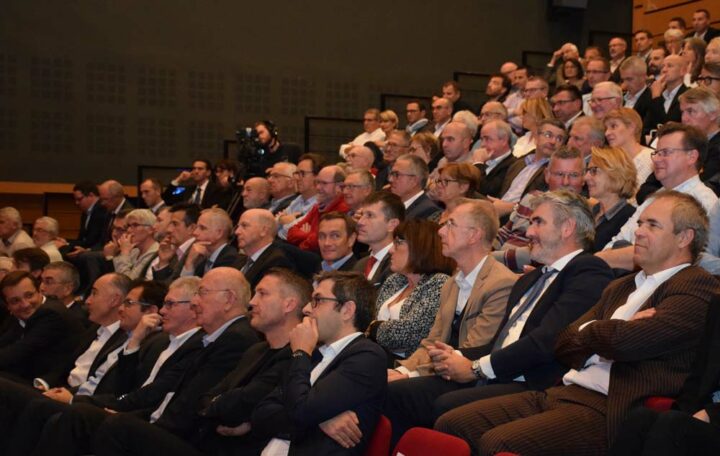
x=196, y=186
x=31, y=260
x=357, y=186
x=360, y=158
x=407, y=180
x=60, y=280
x=373, y=132
x=336, y=238
x=605, y=97
x=307, y=168
x=256, y=193
x=627, y=347
x=12, y=235
x=174, y=248
x=349, y=384
x=565, y=171
x=255, y=235
x=495, y=157
x=44, y=334
x=45, y=234
x=151, y=194
x=93, y=221
x=282, y=186
x=328, y=183
x=212, y=248
x=665, y=105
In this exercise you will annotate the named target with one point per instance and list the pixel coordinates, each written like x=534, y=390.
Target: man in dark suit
x=528, y=173
x=221, y=303
x=380, y=214
x=59, y=280
x=196, y=186
x=255, y=233
x=336, y=238
x=212, y=247
x=625, y=348
x=633, y=74
x=519, y=356
x=567, y=104
x=174, y=249
x=701, y=109
x=616, y=49
x=701, y=26
x=151, y=194
x=43, y=336
x=92, y=221
x=665, y=105
x=496, y=136
x=347, y=386
x=407, y=180
x=282, y=186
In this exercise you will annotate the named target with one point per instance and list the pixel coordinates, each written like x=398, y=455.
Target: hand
x=304, y=336
x=556, y=55
x=528, y=268
x=148, y=323
x=657, y=87
x=395, y=375
x=198, y=252
x=126, y=243
x=110, y=249
x=288, y=218
x=166, y=251
x=183, y=176
x=450, y=365
x=236, y=431
x=76, y=251
x=59, y=394
x=306, y=228
x=481, y=155
x=647, y=313
x=110, y=411
x=343, y=429
x=60, y=242
x=702, y=415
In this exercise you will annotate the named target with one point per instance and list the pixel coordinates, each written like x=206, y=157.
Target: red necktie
x=368, y=267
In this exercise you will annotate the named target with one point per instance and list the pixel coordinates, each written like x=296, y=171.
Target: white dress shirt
x=83, y=363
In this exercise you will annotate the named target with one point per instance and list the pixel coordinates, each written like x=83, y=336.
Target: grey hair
x=567, y=205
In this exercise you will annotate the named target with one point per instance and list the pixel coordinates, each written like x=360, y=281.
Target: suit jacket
x=90, y=236
x=381, y=273
x=652, y=356
x=421, y=208
x=173, y=270
x=575, y=289
x=709, y=34
x=656, y=113
x=536, y=182
x=131, y=370
x=481, y=318
x=45, y=343
x=491, y=184
x=78, y=310
x=228, y=256
x=214, y=195
x=206, y=369
x=272, y=257
x=356, y=380
x=711, y=168
x=642, y=105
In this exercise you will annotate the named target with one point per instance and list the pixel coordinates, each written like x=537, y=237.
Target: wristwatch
x=477, y=369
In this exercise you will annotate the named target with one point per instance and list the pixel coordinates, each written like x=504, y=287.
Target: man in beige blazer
x=472, y=306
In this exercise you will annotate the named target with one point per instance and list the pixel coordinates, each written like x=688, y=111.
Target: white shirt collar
x=380, y=254
x=181, y=338
x=660, y=276
x=260, y=251
x=413, y=198
x=339, y=345
x=463, y=280
x=210, y=338
x=561, y=262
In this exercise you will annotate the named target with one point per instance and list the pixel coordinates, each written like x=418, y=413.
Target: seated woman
x=410, y=297
x=623, y=128
x=137, y=247
x=532, y=111
x=611, y=180
x=573, y=73
x=457, y=180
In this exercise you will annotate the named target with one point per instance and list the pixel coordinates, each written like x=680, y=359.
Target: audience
x=456, y=182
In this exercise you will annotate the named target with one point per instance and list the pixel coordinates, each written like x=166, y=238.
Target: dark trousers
x=676, y=433
x=420, y=401
x=530, y=423
x=13, y=399
x=29, y=426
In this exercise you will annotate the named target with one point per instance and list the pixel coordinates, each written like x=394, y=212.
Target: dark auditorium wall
x=97, y=87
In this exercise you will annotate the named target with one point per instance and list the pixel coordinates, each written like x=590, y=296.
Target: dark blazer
x=381, y=273
x=575, y=289
x=228, y=256
x=272, y=257
x=491, y=184
x=656, y=113
x=131, y=371
x=214, y=195
x=421, y=208
x=536, y=182
x=709, y=34
x=605, y=231
x=80, y=312
x=642, y=105
x=355, y=380
x=284, y=203
x=90, y=237
x=173, y=270
x=191, y=381
x=711, y=168
x=45, y=343
x=652, y=356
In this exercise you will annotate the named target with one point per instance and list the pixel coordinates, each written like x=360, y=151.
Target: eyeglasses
x=549, y=135
x=601, y=99
x=707, y=80
x=450, y=224
x=316, y=300
x=593, y=170
x=445, y=182
x=202, y=292
x=169, y=303
x=130, y=302
x=319, y=182
x=560, y=175
x=303, y=173
x=278, y=176
x=353, y=186
x=393, y=145
x=667, y=151
x=51, y=281
x=396, y=174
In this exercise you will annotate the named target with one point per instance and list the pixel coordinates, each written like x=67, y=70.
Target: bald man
x=212, y=247
x=256, y=193
x=360, y=158
x=255, y=233
x=665, y=105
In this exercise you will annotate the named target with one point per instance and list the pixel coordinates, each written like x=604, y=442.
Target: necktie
x=248, y=264
x=196, y=196
x=532, y=295
x=208, y=265
x=368, y=267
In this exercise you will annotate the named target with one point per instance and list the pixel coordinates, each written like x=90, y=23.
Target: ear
x=392, y=224
x=547, y=175
x=347, y=311
x=685, y=238
x=567, y=228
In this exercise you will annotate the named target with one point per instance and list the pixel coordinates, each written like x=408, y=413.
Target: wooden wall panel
x=654, y=15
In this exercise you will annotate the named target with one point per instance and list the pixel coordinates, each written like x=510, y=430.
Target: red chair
x=659, y=403
x=379, y=444
x=505, y=453
x=419, y=441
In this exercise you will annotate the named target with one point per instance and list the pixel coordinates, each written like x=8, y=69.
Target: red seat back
x=379, y=444
x=659, y=403
x=419, y=441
